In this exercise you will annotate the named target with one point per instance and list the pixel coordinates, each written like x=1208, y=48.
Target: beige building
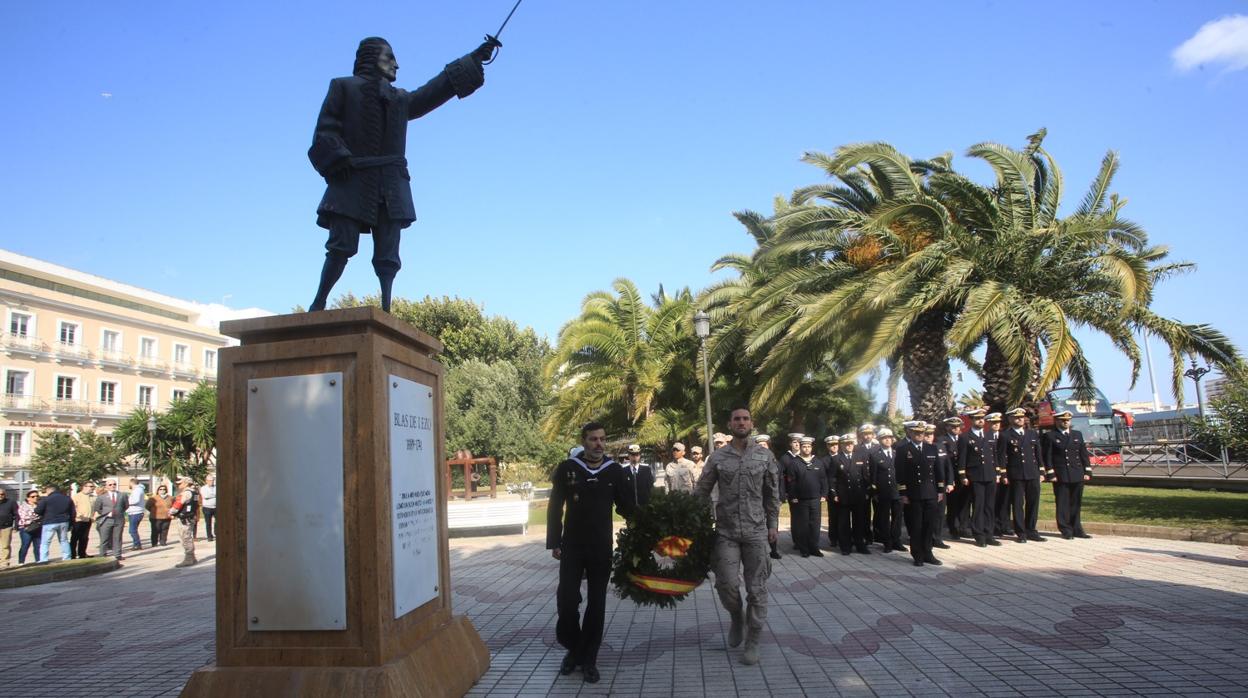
x=83, y=351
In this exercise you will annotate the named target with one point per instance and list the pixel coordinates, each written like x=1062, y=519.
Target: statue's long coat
x=364, y=166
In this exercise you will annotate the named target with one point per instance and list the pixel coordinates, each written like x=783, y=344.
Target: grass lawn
x=1150, y=506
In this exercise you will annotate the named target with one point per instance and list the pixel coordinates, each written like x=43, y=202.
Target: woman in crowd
x=158, y=515
x=29, y=527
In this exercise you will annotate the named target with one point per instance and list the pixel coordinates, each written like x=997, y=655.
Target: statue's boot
x=329, y=276
x=387, y=282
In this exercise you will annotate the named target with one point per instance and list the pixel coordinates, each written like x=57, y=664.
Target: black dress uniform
x=887, y=520
x=806, y=492
x=640, y=482
x=834, y=462
x=958, y=502
x=853, y=490
x=947, y=454
x=1020, y=454
x=1067, y=461
x=1001, y=511
x=977, y=462
x=786, y=470
x=920, y=480
x=584, y=537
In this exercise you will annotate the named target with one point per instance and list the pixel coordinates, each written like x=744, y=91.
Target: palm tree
x=619, y=357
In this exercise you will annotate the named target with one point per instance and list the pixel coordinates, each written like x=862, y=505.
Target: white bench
x=488, y=513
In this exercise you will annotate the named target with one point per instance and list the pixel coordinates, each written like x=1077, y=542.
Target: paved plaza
x=1108, y=616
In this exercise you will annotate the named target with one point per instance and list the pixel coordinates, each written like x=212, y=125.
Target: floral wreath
x=665, y=550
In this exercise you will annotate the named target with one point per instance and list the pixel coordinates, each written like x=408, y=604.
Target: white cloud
x=1223, y=41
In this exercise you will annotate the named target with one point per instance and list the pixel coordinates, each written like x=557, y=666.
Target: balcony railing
x=152, y=365
x=14, y=461
x=24, y=344
x=72, y=352
x=71, y=407
x=111, y=358
x=110, y=409
x=185, y=371
x=22, y=403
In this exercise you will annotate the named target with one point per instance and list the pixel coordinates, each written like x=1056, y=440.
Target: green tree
x=486, y=413
x=184, y=442
x=1227, y=423
x=618, y=358
x=64, y=457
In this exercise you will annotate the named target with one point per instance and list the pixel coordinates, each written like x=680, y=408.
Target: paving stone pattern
x=1107, y=616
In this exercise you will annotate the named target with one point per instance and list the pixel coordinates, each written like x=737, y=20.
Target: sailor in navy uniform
x=922, y=489
x=1001, y=507
x=1069, y=464
x=977, y=471
x=808, y=488
x=587, y=485
x=853, y=492
x=640, y=476
x=1018, y=449
x=887, y=514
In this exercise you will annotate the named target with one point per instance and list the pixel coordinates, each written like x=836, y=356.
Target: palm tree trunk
x=996, y=378
x=925, y=367
x=894, y=387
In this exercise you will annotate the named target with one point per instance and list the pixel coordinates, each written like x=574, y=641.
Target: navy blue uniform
x=808, y=486
x=920, y=480
x=584, y=537
x=1067, y=461
x=853, y=492
x=887, y=515
x=977, y=462
x=1020, y=455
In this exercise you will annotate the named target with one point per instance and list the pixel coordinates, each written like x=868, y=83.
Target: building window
x=15, y=382
x=19, y=324
x=180, y=352
x=108, y=393
x=210, y=359
x=13, y=441
x=147, y=396
x=69, y=333
x=147, y=347
x=178, y=394
x=65, y=387
x=111, y=341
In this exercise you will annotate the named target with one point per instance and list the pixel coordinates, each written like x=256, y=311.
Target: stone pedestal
x=327, y=423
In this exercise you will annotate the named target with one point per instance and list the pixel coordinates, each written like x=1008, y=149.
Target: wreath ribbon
x=673, y=546
x=662, y=585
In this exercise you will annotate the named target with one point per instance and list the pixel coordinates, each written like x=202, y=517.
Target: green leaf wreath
x=664, y=552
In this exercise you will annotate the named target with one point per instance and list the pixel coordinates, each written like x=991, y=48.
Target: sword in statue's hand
x=492, y=39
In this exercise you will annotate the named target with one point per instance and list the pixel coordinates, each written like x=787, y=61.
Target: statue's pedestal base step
x=448, y=663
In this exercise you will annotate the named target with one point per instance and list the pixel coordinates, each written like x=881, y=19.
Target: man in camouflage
x=746, y=519
x=186, y=505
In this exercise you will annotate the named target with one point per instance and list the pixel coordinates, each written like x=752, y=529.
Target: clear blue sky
x=164, y=144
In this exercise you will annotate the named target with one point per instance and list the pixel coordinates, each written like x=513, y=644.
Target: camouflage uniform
x=749, y=506
x=680, y=475
x=186, y=517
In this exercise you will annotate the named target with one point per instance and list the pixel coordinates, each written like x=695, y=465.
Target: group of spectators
x=47, y=514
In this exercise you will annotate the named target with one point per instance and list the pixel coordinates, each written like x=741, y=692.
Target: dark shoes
x=846, y=551
x=1036, y=537
x=1081, y=534
x=931, y=560
x=568, y=665
x=1068, y=536
x=1022, y=539
x=918, y=563
x=886, y=549
x=993, y=541
x=776, y=555
x=940, y=544
x=863, y=550
x=805, y=554
x=980, y=543
x=816, y=552
x=901, y=548
x=591, y=673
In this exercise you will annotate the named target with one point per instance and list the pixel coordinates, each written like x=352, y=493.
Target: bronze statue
x=359, y=146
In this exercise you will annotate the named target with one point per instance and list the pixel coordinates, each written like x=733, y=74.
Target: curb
x=52, y=574
x=1197, y=535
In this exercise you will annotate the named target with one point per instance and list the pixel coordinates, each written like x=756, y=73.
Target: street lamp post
x=702, y=328
x=1196, y=373
x=151, y=449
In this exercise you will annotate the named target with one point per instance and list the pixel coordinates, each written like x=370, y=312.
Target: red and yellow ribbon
x=662, y=585
x=673, y=546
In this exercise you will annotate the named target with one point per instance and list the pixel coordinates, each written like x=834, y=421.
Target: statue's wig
x=366, y=56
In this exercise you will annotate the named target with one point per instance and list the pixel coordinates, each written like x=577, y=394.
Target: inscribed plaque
x=413, y=492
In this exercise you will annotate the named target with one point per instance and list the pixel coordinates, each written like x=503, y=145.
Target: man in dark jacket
x=640, y=476
x=809, y=487
x=853, y=493
x=57, y=512
x=977, y=471
x=1068, y=463
x=922, y=488
x=887, y=519
x=8, y=517
x=581, y=539
x=359, y=146
x=1018, y=450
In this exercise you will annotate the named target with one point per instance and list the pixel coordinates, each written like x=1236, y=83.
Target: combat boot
x=737, y=631
x=750, y=656
x=187, y=561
